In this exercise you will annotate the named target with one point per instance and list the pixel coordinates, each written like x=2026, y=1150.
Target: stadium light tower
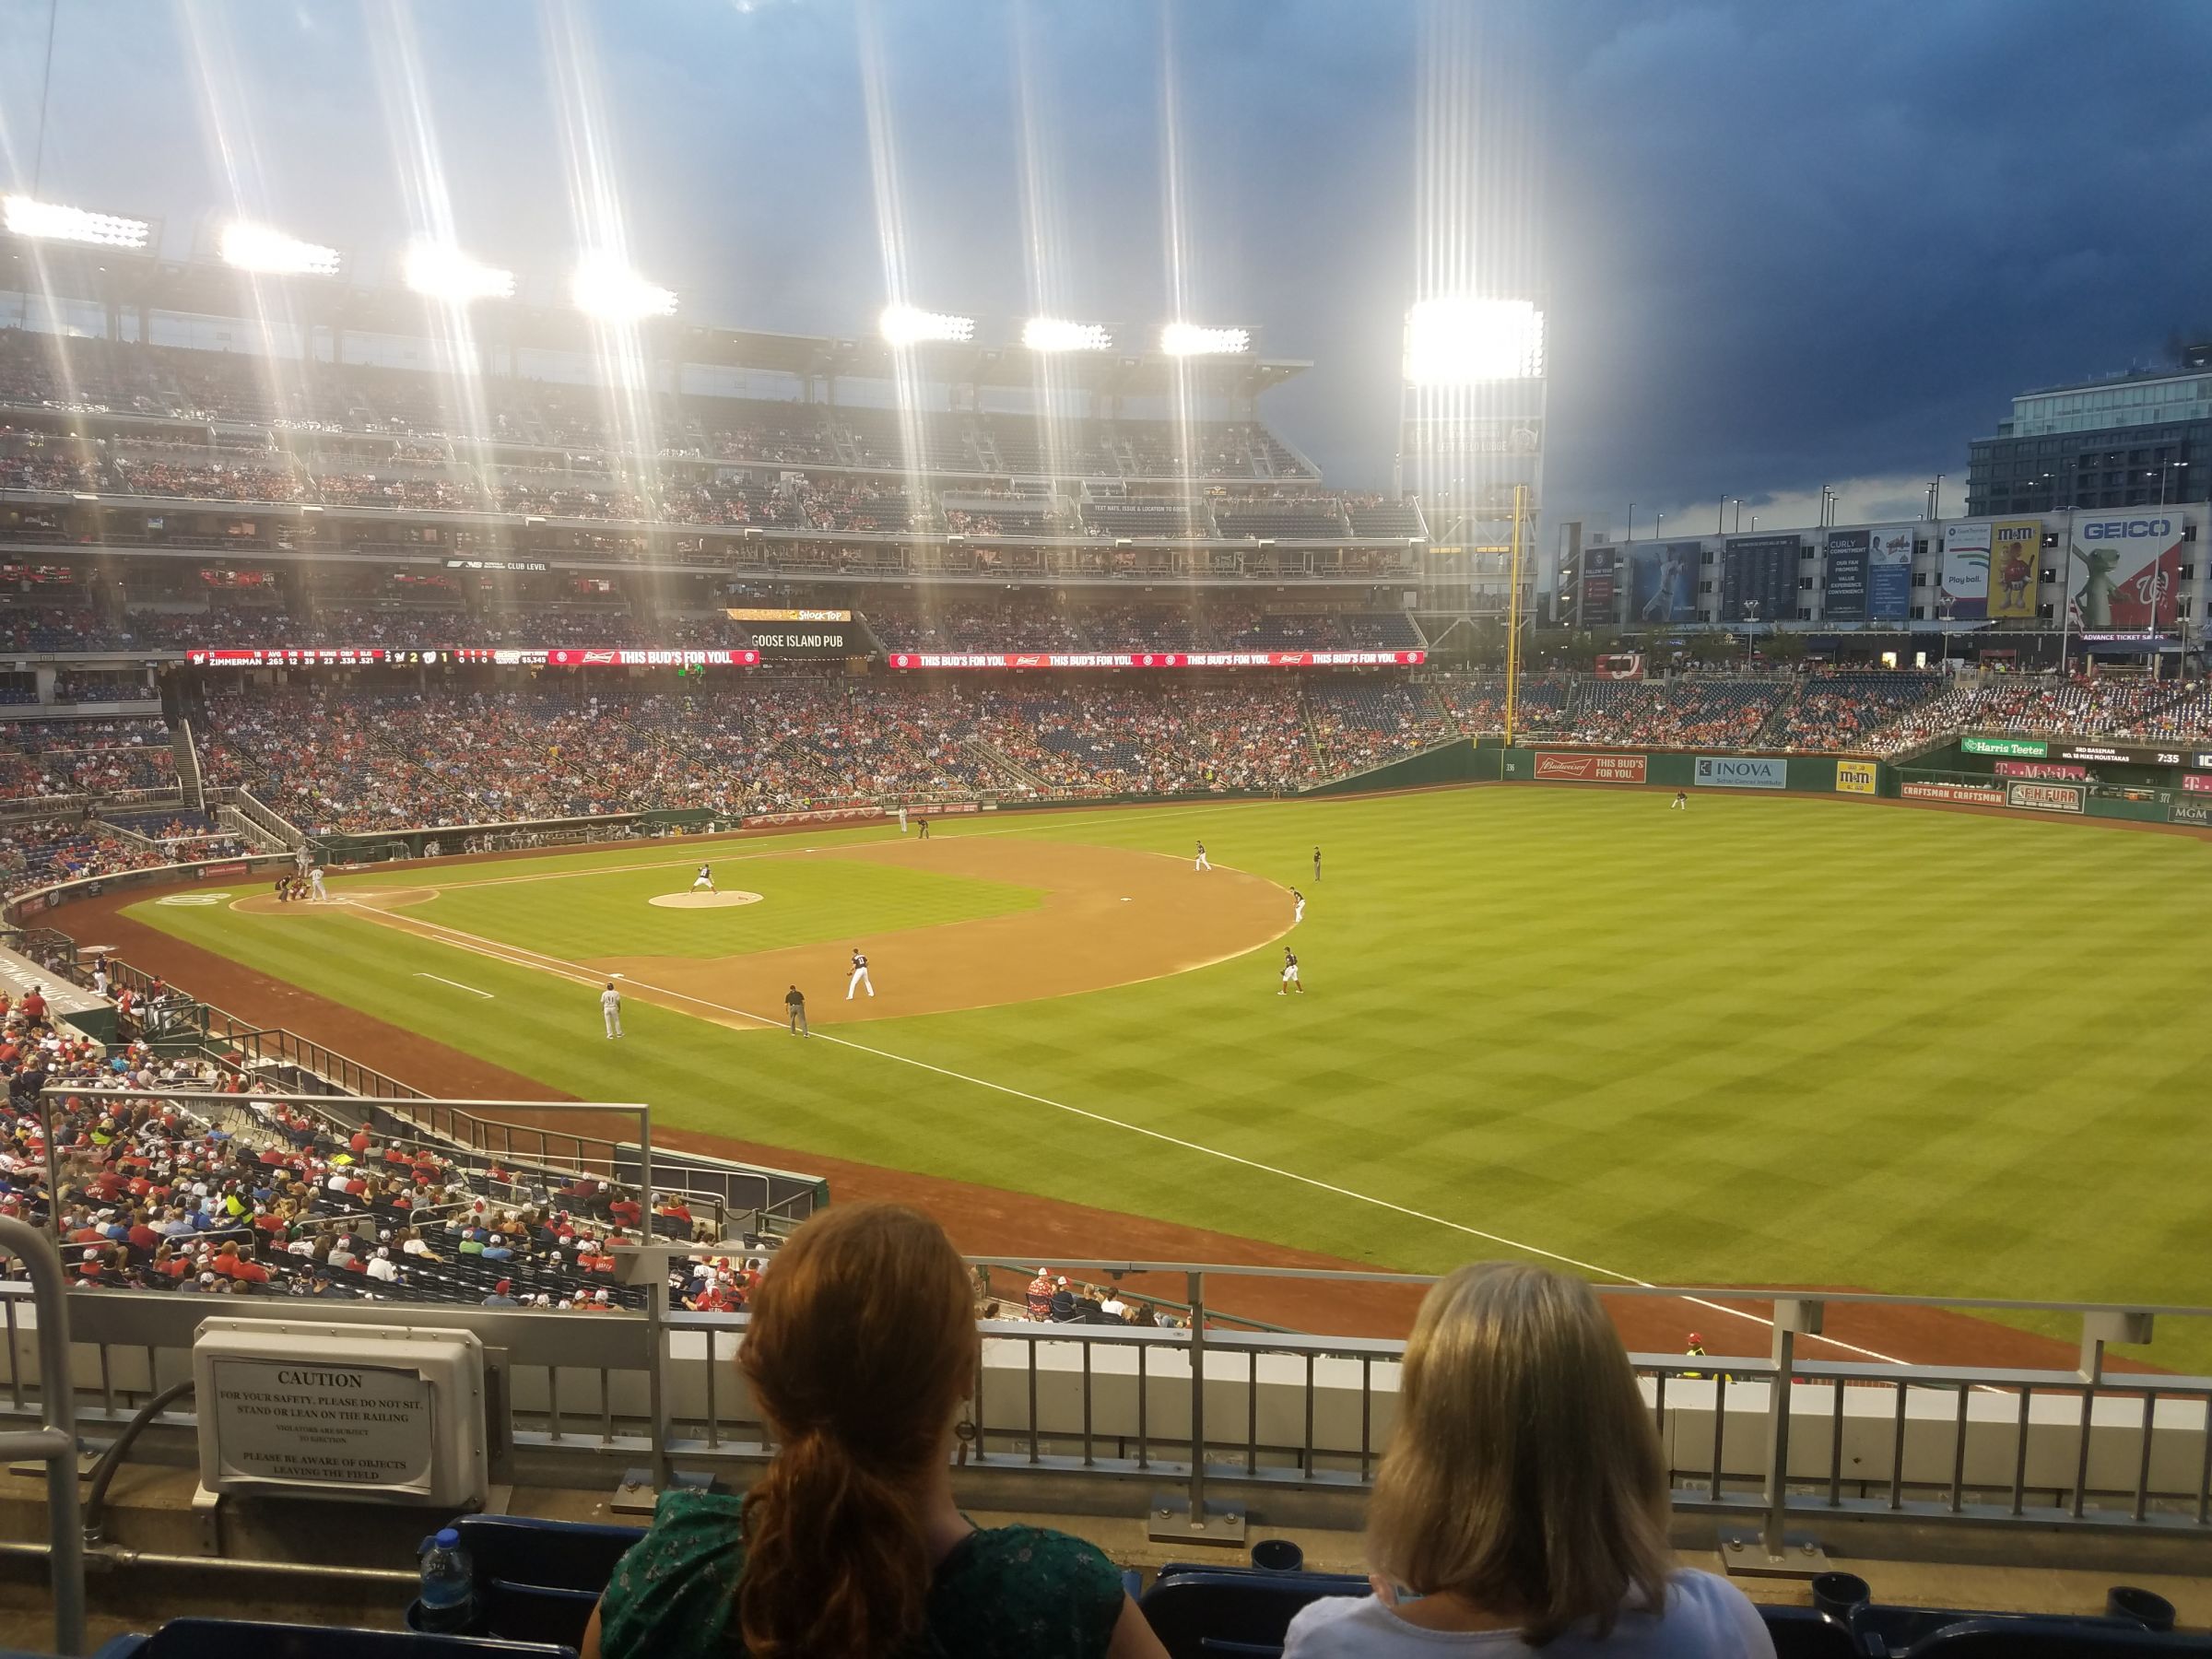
x=1465, y=342
x=440, y=271
x=1471, y=448
x=270, y=252
x=50, y=221
x=1054, y=334
x=604, y=288
x=1192, y=339
x=911, y=326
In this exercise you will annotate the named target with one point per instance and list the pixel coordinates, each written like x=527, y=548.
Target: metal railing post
x=56, y=1441
x=1196, y=1284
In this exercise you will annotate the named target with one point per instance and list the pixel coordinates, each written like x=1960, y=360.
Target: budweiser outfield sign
x=1590, y=769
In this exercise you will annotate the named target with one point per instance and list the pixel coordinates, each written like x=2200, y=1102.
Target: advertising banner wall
x=2031, y=749
x=1969, y=794
x=1965, y=577
x=1735, y=771
x=2046, y=797
x=2126, y=572
x=1158, y=659
x=1759, y=571
x=1855, y=777
x=1889, y=574
x=2050, y=771
x=2190, y=812
x=2015, y=545
x=2197, y=782
x=1600, y=589
x=1662, y=582
x=1590, y=769
x=1843, y=581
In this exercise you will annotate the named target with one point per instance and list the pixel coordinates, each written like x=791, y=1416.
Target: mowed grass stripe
x=1763, y=1040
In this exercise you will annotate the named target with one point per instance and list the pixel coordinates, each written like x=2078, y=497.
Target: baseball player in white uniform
x=610, y=1010
x=1203, y=862
x=1290, y=975
x=1298, y=911
x=860, y=975
x=902, y=820
x=705, y=878
x=314, y=884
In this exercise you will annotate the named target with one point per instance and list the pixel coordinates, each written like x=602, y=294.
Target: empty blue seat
x=1234, y=1613
x=236, y=1639
x=538, y=1581
x=2030, y=1637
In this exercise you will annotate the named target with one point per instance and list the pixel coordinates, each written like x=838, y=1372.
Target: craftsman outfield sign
x=1738, y=772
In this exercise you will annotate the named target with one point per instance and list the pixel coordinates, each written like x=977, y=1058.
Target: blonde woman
x=1522, y=1505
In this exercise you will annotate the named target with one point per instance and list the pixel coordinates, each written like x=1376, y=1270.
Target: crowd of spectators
x=1041, y=623
x=38, y=852
x=104, y=685
x=83, y=757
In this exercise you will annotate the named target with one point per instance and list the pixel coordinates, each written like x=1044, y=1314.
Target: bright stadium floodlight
x=1458, y=342
x=50, y=221
x=272, y=253
x=438, y=271
x=1052, y=334
x=911, y=326
x=1190, y=339
x=604, y=288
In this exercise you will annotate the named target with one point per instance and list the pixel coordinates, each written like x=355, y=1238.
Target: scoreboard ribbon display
x=1158, y=658
x=557, y=657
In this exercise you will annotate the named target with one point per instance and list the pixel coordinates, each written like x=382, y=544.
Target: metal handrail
x=55, y=1443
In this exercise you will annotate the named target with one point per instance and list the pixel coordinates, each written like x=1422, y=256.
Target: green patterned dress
x=1013, y=1593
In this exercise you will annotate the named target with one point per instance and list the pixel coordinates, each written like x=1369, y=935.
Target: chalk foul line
x=521, y=956
x=457, y=985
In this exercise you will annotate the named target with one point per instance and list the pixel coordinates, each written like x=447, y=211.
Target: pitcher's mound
x=703, y=900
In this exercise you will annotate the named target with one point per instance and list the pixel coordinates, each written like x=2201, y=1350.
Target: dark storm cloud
x=1785, y=243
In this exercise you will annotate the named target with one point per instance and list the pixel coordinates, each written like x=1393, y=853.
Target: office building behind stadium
x=2142, y=438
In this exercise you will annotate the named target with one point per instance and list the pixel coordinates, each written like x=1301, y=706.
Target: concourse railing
x=1793, y=1435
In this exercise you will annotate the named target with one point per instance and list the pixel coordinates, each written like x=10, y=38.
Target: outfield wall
x=1943, y=776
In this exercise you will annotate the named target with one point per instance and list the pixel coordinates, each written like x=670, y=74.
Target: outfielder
x=860, y=975
x=902, y=820
x=1317, y=863
x=1290, y=975
x=1298, y=900
x=705, y=878
x=314, y=884
x=610, y=1010
x=1680, y=803
x=1203, y=862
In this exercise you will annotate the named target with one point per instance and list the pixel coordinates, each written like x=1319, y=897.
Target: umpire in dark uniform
x=794, y=1009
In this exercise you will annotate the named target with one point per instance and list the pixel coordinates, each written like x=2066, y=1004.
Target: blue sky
x=1780, y=244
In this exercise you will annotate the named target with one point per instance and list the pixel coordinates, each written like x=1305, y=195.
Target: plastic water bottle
x=448, y=1594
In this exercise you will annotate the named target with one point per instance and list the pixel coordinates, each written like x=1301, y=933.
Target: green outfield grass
x=1768, y=1039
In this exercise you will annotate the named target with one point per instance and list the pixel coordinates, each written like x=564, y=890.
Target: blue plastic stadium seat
x=2029, y=1637
x=236, y=1639
x=538, y=1581
x=1217, y=1612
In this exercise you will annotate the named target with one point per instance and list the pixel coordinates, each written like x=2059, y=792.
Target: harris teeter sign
x=2018, y=748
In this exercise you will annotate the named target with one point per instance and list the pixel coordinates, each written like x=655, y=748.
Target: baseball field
x=1765, y=1040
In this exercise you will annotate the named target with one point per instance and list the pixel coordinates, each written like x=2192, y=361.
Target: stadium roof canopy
x=199, y=288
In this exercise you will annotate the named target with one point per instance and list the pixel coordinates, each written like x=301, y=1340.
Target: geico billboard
x=2127, y=570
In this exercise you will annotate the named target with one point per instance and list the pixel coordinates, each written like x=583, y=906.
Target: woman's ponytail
x=860, y=1342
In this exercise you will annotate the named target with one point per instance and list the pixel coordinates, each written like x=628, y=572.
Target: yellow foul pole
x=1512, y=616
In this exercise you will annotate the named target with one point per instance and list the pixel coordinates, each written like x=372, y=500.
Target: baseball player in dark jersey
x=860, y=975
x=1290, y=975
